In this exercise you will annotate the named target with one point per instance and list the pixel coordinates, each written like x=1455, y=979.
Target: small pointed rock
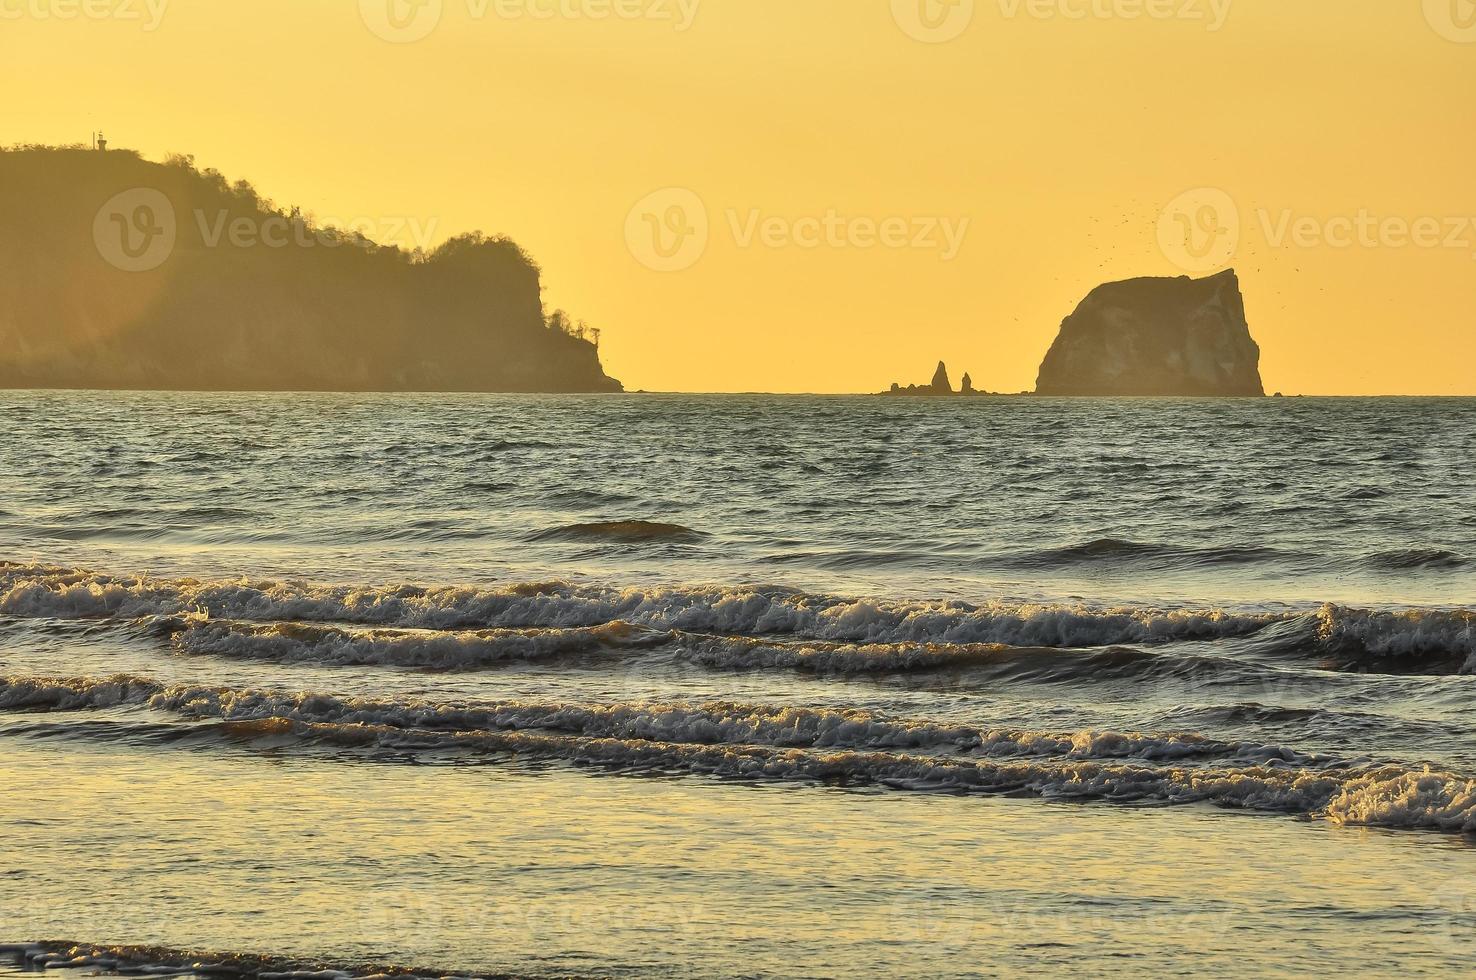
x=941, y=384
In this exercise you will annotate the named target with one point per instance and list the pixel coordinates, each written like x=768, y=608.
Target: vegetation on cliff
x=123, y=273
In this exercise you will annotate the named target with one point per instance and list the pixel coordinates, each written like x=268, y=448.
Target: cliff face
x=120, y=273
x=1156, y=337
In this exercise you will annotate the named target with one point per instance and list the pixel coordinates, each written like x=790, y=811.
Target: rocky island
x=940, y=385
x=1156, y=336
x=124, y=273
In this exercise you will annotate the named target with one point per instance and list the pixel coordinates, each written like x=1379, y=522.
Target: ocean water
x=702, y=686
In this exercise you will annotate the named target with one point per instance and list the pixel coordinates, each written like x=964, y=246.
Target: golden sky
x=883, y=183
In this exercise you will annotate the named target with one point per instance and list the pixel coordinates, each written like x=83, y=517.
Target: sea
x=321, y=686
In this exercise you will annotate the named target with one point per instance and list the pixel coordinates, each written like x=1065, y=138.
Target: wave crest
x=1382, y=795
x=294, y=642
x=620, y=531
x=717, y=722
x=742, y=611
x=41, y=591
x=817, y=745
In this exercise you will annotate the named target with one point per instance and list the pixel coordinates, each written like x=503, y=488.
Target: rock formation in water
x=939, y=386
x=121, y=273
x=1156, y=337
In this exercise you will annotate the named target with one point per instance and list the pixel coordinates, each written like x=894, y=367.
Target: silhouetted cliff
x=120, y=273
x=1156, y=337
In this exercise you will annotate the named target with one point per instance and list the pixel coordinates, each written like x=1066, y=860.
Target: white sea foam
x=1407, y=799
x=1388, y=795
x=932, y=627
x=784, y=744
x=71, y=694
x=718, y=722
x=33, y=590
x=1401, y=634
x=754, y=741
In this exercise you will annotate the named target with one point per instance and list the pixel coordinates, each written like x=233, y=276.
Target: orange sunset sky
x=1322, y=147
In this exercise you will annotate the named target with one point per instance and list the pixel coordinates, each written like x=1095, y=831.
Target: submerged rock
x=1156, y=336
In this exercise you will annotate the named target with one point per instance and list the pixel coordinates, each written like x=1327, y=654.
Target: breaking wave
x=1412, y=633
x=293, y=642
x=706, y=723
x=27, y=590
x=574, y=615
x=1119, y=551
x=626, y=531
x=1416, y=558
x=848, y=748
x=1050, y=664
x=460, y=650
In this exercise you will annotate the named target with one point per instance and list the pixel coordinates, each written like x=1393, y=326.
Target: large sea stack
x=1156, y=336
